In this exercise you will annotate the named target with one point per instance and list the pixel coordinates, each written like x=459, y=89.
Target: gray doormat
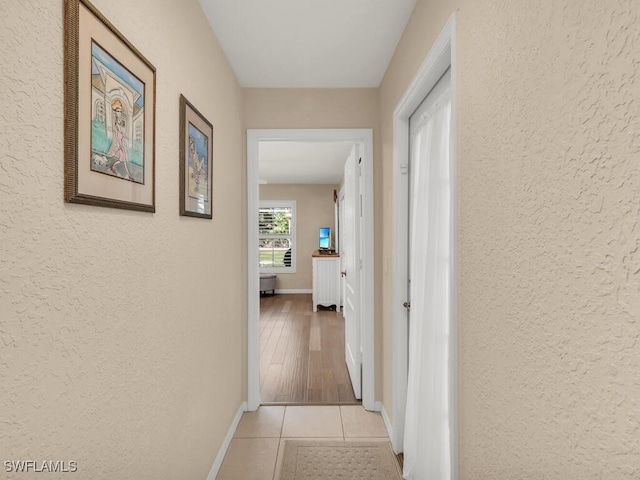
x=329, y=460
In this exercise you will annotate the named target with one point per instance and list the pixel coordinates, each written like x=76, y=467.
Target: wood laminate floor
x=302, y=353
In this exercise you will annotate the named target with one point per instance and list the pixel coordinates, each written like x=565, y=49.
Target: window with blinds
x=277, y=236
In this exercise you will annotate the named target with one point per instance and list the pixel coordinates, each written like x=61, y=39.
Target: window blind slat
x=276, y=235
x=274, y=221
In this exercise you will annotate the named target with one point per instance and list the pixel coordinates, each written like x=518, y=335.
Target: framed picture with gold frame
x=110, y=90
x=196, y=155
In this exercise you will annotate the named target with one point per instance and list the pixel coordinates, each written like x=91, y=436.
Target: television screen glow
x=325, y=237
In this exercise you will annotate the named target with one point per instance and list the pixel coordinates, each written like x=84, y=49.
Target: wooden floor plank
x=302, y=353
x=271, y=380
x=314, y=381
x=315, y=338
x=329, y=387
x=282, y=343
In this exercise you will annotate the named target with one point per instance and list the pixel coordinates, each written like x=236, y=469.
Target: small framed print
x=196, y=156
x=110, y=93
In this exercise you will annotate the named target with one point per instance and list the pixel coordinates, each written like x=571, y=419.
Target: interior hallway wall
x=314, y=209
x=548, y=208
x=122, y=334
x=289, y=108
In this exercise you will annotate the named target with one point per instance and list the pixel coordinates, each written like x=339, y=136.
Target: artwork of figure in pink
x=117, y=118
x=118, y=148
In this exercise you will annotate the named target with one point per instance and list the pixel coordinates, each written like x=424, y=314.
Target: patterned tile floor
x=256, y=450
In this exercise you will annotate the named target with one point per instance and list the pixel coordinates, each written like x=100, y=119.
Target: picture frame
x=196, y=162
x=110, y=104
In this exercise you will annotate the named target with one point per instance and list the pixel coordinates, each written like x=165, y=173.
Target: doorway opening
x=261, y=138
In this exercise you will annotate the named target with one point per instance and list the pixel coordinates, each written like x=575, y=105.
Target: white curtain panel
x=427, y=441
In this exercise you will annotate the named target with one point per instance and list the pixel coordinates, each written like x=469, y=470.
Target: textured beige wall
x=311, y=108
x=121, y=342
x=548, y=208
x=314, y=209
x=328, y=108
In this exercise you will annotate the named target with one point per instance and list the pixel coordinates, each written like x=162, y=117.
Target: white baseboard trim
x=387, y=424
x=295, y=290
x=213, y=473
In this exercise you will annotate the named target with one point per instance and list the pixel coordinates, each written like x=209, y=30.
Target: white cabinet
x=326, y=280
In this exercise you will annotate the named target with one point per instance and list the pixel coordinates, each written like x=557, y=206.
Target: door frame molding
x=441, y=57
x=365, y=138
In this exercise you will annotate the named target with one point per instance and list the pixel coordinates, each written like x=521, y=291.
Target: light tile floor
x=255, y=453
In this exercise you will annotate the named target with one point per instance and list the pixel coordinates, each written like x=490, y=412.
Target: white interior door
x=351, y=271
x=343, y=265
x=429, y=422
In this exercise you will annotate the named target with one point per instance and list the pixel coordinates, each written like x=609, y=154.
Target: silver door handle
x=407, y=305
x=343, y=273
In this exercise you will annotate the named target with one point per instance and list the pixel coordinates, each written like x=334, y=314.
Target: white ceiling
x=304, y=43
x=303, y=162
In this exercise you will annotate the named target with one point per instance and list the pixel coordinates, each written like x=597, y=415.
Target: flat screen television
x=325, y=238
